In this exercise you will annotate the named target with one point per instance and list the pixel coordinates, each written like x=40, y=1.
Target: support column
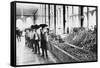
x=49, y=14
x=64, y=19
x=45, y=13
x=67, y=20
x=34, y=19
x=55, y=18
x=35, y=16
x=81, y=16
x=73, y=15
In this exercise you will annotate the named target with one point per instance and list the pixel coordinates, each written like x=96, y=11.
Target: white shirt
x=36, y=36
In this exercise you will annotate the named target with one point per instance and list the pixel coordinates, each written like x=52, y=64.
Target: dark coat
x=43, y=41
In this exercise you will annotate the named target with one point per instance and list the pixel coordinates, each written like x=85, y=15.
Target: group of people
x=38, y=41
x=18, y=34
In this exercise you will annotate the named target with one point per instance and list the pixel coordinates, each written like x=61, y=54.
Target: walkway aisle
x=25, y=56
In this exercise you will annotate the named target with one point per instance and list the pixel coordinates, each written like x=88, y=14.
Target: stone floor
x=25, y=56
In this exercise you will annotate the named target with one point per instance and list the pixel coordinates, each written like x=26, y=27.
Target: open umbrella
x=35, y=26
x=43, y=25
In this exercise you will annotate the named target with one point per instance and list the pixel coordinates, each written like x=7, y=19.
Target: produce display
x=81, y=38
x=79, y=53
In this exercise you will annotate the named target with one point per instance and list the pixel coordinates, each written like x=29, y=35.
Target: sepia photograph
x=55, y=33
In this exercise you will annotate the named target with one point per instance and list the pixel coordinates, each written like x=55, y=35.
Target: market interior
x=72, y=32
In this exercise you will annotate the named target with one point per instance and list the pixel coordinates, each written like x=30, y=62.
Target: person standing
x=33, y=43
x=44, y=42
x=36, y=41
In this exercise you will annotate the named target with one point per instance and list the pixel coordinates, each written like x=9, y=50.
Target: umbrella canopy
x=43, y=25
x=35, y=26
